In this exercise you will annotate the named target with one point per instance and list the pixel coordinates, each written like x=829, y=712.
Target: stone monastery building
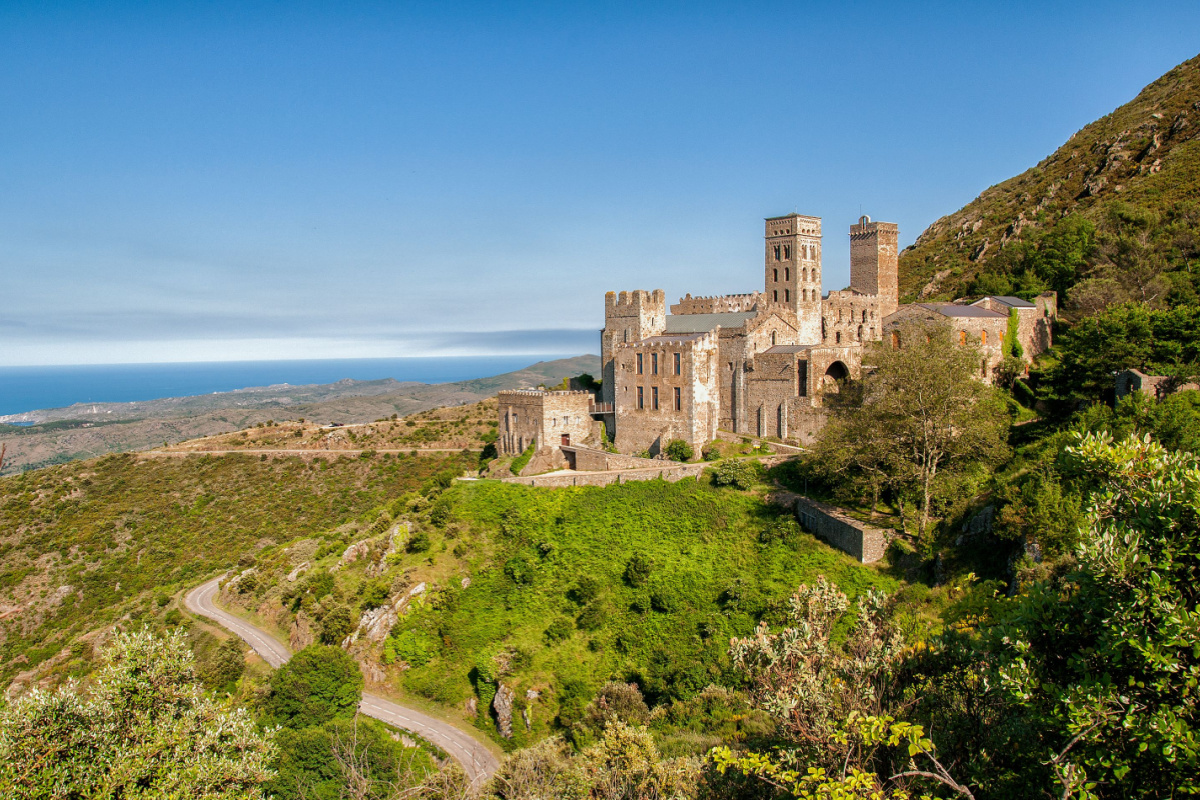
x=752, y=364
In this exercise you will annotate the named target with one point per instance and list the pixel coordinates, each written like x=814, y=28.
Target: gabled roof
x=955, y=311
x=698, y=323
x=1008, y=300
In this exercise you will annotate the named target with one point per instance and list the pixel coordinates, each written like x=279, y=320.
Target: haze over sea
x=29, y=388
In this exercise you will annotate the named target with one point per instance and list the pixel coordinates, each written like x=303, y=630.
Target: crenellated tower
x=628, y=317
x=875, y=262
x=793, y=269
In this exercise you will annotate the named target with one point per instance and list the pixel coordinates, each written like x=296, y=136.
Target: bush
x=337, y=624
x=419, y=543
x=320, y=683
x=738, y=473
x=679, y=450
x=638, y=569
x=559, y=630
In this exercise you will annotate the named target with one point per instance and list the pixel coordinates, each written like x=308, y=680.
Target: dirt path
x=476, y=760
x=296, y=452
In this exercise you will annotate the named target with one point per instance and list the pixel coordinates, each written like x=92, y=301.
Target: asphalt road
x=476, y=760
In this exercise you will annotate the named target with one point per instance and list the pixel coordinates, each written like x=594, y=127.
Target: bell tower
x=874, y=262
x=793, y=270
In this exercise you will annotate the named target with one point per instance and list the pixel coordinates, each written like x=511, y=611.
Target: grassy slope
x=1145, y=153
x=525, y=550
x=118, y=531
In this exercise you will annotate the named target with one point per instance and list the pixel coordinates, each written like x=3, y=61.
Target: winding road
x=476, y=760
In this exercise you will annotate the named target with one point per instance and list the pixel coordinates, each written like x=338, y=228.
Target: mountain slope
x=1144, y=155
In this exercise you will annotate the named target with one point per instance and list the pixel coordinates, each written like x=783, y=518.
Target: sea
x=29, y=388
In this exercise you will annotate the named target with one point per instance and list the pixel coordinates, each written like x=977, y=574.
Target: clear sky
x=212, y=181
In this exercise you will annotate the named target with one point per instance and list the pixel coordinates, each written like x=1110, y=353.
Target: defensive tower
x=628, y=317
x=875, y=262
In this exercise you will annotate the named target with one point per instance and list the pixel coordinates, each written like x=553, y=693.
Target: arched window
x=787, y=295
x=983, y=369
x=895, y=340
x=864, y=316
x=804, y=274
x=787, y=252
x=772, y=337
x=775, y=275
x=983, y=338
x=839, y=337
x=776, y=252
x=775, y=296
x=787, y=273
x=860, y=331
x=962, y=337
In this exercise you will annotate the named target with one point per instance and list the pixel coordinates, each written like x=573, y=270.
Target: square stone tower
x=875, y=262
x=793, y=270
x=628, y=317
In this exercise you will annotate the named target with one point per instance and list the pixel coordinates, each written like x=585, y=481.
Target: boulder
x=294, y=574
x=301, y=635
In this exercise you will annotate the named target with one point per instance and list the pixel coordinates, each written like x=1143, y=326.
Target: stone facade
x=1035, y=321
x=666, y=388
x=875, y=262
x=1153, y=387
x=545, y=417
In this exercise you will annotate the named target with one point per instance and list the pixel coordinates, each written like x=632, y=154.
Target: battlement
x=543, y=392
x=718, y=304
x=634, y=302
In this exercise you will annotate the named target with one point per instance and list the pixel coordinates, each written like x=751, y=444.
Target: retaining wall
x=865, y=542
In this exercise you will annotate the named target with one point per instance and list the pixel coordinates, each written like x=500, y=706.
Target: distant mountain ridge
x=1145, y=153
x=85, y=430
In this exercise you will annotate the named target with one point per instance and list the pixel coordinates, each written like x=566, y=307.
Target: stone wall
x=850, y=317
x=587, y=459
x=865, y=542
x=984, y=333
x=672, y=472
x=545, y=417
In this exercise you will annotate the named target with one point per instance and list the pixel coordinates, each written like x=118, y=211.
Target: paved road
x=477, y=761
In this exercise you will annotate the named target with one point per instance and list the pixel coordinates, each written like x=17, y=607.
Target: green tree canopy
x=320, y=683
x=143, y=728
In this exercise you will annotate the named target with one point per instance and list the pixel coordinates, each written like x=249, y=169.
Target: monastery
x=754, y=364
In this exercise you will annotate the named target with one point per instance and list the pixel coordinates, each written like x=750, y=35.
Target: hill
x=86, y=430
x=1132, y=177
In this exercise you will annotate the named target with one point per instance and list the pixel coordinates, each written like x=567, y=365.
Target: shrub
x=637, y=570
x=337, y=624
x=738, y=473
x=419, y=543
x=559, y=630
x=679, y=450
x=586, y=589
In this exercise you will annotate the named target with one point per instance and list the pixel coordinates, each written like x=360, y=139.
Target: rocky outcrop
x=295, y=573
x=503, y=706
x=375, y=624
x=301, y=634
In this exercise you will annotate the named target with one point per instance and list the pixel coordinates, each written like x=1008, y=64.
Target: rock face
x=355, y=551
x=503, y=706
x=375, y=624
x=301, y=635
x=294, y=574
x=473, y=707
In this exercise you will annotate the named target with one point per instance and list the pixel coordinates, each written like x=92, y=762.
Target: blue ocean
x=29, y=388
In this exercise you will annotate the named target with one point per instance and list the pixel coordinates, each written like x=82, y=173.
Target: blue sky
x=212, y=181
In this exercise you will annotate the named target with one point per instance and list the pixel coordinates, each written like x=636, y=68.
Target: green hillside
x=1118, y=198
x=86, y=544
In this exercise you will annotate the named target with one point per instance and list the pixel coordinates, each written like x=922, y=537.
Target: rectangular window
x=654, y=397
x=654, y=363
x=801, y=378
x=775, y=275
x=677, y=364
x=678, y=399
x=787, y=273
x=641, y=399
x=639, y=363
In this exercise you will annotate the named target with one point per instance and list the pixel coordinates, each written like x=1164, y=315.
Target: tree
x=919, y=413
x=318, y=684
x=142, y=728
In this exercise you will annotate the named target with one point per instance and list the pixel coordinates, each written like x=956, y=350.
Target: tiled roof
x=697, y=323
x=1013, y=302
x=954, y=310
x=788, y=348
